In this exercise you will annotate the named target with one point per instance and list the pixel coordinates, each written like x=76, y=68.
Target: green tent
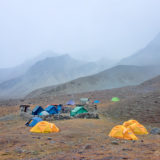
x=115, y=99
x=78, y=110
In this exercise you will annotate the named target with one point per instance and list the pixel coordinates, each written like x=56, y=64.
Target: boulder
x=155, y=131
x=87, y=115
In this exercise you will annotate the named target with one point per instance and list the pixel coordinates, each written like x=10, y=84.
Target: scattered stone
x=19, y=150
x=142, y=140
x=102, y=147
x=155, y=131
x=126, y=149
x=88, y=115
x=115, y=143
x=90, y=138
x=5, y=154
x=53, y=142
x=109, y=157
x=49, y=138
x=88, y=146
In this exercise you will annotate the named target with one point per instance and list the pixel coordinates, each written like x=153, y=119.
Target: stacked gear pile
x=128, y=130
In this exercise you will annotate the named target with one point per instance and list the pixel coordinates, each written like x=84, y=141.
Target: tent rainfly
x=115, y=99
x=78, y=110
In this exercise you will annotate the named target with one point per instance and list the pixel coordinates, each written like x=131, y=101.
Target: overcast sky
x=97, y=28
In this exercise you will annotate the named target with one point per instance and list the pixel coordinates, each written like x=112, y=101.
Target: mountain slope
x=144, y=108
x=150, y=55
x=115, y=77
x=50, y=71
x=14, y=72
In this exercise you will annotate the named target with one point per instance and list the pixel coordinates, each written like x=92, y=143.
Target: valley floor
x=79, y=139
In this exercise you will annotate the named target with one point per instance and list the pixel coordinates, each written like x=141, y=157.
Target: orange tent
x=138, y=129
x=122, y=132
x=130, y=122
x=44, y=127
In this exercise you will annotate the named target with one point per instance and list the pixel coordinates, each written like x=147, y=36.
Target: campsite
x=79, y=80
x=76, y=138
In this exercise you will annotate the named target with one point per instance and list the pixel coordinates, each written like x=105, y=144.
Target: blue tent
x=70, y=102
x=44, y=113
x=32, y=122
x=37, y=110
x=96, y=101
x=51, y=109
x=59, y=107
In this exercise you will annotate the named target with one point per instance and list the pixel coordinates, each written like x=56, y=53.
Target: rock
x=19, y=150
x=88, y=115
x=80, y=152
x=155, y=131
x=90, y=138
x=49, y=138
x=53, y=142
x=126, y=149
x=88, y=146
x=115, y=143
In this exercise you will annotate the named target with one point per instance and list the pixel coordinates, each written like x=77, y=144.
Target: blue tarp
x=52, y=109
x=37, y=110
x=70, y=102
x=33, y=121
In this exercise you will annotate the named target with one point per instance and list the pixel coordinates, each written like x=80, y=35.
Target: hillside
x=86, y=138
x=46, y=72
x=17, y=71
x=150, y=55
x=144, y=108
x=115, y=77
x=143, y=105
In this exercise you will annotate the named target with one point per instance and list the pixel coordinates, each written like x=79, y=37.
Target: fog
x=86, y=29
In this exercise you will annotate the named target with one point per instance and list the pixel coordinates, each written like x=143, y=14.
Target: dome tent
x=44, y=113
x=37, y=110
x=70, y=102
x=51, y=109
x=122, y=132
x=78, y=110
x=96, y=101
x=136, y=127
x=115, y=99
x=32, y=122
x=44, y=127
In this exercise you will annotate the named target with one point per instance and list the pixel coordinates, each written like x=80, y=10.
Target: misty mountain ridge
x=115, y=77
x=49, y=71
x=150, y=55
x=14, y=72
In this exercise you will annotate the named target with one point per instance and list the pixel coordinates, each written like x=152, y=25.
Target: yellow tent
x=130, y=122
x=138, y=129
x=122, y=132
x=44, y=127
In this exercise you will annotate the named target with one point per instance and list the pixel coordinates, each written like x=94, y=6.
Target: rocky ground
x=84, y=139
x=78, y=139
